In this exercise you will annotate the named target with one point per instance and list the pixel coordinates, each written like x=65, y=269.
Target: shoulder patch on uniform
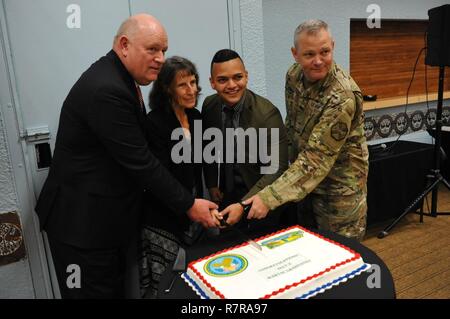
x=339, y=131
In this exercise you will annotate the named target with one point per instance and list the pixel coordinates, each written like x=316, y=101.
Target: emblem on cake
x=283, y=239
x=226, y=265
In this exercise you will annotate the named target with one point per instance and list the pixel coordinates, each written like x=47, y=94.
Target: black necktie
x=229, y=175
x=141, y=99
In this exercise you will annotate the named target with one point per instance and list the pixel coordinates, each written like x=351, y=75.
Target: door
x=52, y=43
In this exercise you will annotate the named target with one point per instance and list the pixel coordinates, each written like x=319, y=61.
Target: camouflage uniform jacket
x=327, y=146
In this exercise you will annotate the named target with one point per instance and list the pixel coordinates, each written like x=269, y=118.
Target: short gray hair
x=311, y=27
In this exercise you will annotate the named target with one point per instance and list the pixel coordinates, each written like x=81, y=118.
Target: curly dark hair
x=160, y=95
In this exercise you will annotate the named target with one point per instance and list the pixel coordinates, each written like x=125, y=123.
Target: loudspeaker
x=438, y=36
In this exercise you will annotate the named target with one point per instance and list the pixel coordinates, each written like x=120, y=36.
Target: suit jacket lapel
x=213, y=118
x=129, y=81
x=247, y=112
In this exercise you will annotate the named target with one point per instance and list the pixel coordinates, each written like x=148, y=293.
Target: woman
x=173, y=99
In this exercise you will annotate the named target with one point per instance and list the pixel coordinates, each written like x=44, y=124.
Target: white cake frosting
x=293, y=263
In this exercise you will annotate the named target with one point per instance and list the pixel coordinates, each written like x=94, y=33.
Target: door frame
x=20, y=162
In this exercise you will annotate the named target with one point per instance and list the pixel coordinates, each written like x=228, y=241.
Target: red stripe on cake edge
x=330, y=241
x=277, y=232
x=295, y=284
x=207, y=284
x=287, y=287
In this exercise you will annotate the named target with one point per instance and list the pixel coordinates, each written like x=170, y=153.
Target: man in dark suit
x=234, y=106
x=91, y=201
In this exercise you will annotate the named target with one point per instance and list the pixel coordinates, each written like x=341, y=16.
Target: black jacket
x=102, y=163
x=159, y=127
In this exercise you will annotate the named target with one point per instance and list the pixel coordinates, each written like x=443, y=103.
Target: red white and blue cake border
x=191, y=282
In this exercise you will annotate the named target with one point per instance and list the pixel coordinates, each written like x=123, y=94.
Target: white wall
x=253, y=46
x=280, y=18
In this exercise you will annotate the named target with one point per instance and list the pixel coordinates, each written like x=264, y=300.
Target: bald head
x=141, y=43
x=141, y=22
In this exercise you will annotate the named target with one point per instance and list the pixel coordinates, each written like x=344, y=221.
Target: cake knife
x=241, y=234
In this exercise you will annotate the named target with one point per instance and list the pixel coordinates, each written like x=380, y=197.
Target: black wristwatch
x=246, y=207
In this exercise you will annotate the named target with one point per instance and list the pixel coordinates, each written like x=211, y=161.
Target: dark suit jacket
x=159, y=127
x=102, y=164
x=257, y=112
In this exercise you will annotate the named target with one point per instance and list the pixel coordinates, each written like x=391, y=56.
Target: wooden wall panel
x=382, y=60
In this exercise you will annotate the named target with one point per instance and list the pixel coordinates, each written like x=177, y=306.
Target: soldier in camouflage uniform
x=327, y=146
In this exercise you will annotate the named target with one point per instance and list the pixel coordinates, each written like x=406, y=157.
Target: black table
x=356, y=288
x=397, y=176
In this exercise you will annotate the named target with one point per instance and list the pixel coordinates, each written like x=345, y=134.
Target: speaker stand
x=435, y=177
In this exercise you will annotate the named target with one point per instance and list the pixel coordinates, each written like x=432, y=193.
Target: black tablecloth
x=445, y=166
x=357, y=287
x=397, y=176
